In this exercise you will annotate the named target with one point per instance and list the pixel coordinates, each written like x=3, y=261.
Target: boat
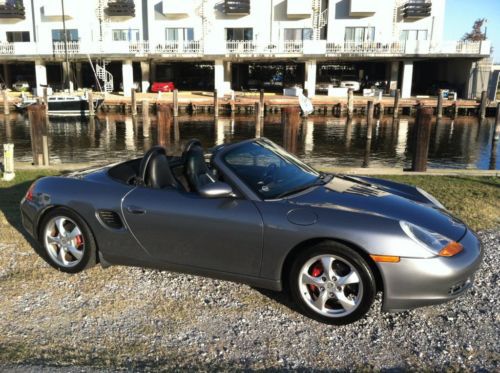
x=64, y=105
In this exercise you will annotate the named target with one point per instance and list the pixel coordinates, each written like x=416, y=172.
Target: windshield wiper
x=318, y=181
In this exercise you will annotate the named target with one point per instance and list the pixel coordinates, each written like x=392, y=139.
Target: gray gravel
x=166, y=320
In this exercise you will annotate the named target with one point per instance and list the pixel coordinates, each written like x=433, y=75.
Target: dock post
x=145, y=119
x=290, y=121
x=38, y=130
x=496, y=126
x=482, y=107
x=46, y=100
x=439, y=109
x=164, y=125
x=261, y=104
x=350, y=102
x=8, y=162
x=370, y=108
x=90, y=97
x=6, y=108
x=176, y=102
x=395, y=112
x=258, y=119
x=216, y=104
x=423, y=126
x=133, y=95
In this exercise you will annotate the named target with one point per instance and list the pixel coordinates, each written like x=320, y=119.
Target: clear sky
x=461, y=14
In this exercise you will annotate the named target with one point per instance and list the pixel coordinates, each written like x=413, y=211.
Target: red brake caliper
x=316, y=271
x=78, y=241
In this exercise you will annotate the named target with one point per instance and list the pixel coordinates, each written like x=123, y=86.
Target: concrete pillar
x=40, y=75
x=6, y=75
x=145, y=76
x=78, y=74
x=407, y=79
x=128, y=77
x=392, y=75
x=222, y=77
x=152, y=71
x=310, y=78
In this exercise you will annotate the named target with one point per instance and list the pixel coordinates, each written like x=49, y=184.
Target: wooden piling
x=258, y=121
x=216, y=104
x=261, y=104
x=422, y=131
x=483, y=104
x=369, y=110
x=439, y=109
x=133, y=96
x=146, y=122
x=350, y=102
x=164, y=125
x=46, y=100
x=90, y=97
x=38, y=132
x=397, y=95
x=176, y=102
x=6, y=108
x=290, y=122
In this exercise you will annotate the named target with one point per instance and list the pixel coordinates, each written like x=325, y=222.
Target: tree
x=476, y=34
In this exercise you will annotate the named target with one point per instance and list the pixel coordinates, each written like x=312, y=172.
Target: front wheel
x=68, y=243
x=332, y=283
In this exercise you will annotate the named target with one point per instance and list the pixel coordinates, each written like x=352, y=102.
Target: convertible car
x=252, y=213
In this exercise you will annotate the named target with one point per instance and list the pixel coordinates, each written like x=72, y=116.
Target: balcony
x=237, y=7
x=362, y=8
x=298, y=8
x=121, y=8
x=12, y=10
x=248, y=49
x=415, y=9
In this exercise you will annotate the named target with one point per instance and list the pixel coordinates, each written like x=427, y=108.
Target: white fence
x=246, y=47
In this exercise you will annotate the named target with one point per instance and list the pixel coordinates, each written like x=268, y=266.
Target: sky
x=461, y=14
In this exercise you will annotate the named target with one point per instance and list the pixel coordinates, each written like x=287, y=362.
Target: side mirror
x=216, y=190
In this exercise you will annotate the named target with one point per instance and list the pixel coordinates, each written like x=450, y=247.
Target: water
x=320, y=140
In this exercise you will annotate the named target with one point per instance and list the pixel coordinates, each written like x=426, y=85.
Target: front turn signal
x=452, y=249
x=385, y=258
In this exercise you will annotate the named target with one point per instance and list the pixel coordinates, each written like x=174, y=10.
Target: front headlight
x=431, y=198
x=433, y=242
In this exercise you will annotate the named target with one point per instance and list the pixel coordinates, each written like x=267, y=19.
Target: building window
x=126, y=35
x=413, y=35
x=18, y=36
x=298, y=34
x=359, y=34
x=179, y=34
x=58, y=35
x=236, y=34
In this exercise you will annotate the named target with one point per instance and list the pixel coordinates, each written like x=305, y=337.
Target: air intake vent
x=111, y=219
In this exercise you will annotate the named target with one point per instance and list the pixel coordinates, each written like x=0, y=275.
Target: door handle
x=135, y=210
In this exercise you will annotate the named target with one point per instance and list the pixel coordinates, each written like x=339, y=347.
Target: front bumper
x=417, y=282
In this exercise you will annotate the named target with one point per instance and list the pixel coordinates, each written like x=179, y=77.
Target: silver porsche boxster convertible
x=250, y=212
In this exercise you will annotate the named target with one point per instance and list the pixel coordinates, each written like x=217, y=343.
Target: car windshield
x=269, y=170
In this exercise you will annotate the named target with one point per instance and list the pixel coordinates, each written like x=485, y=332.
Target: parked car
x=253, y=213
x=136, y=86
x=322, y=87
x=21, y=86
x=350, y=82
x=162, y=87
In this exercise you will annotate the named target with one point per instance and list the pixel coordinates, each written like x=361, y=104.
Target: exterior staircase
x=105, y=77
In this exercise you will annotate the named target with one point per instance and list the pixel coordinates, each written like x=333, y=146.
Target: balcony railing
x=121, y=8
x=248, y=48
x=417, y=9
x=237, y=7
x=12, y=9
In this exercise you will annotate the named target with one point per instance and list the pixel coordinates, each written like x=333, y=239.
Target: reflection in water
x=462, y=143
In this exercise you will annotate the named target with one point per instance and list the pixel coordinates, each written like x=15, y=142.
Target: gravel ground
x=134, y=319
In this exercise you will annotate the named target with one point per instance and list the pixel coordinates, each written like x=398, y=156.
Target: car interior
x=157, y=170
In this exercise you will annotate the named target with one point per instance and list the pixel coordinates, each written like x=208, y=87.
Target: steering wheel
x=269, y=175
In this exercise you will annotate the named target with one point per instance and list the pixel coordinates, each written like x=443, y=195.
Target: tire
x=74, y=250
x=340, y=296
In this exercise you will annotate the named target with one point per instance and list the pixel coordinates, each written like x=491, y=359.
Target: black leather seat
x=155, y=170
x=195, y=169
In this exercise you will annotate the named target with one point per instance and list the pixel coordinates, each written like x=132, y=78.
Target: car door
x=182, y=228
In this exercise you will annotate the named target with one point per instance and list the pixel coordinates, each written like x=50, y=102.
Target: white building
x=237, y=44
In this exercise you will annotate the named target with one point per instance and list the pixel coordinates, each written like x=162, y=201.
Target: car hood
x=358, y=196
